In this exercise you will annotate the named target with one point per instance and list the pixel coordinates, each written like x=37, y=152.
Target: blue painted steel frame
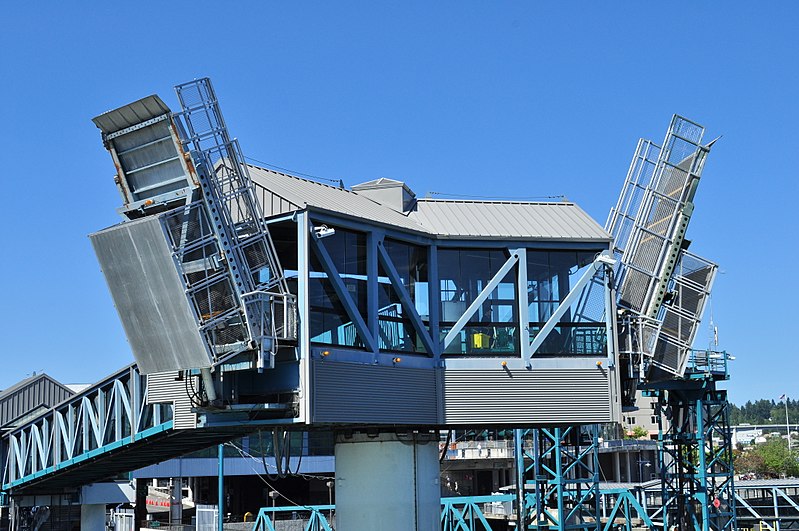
x=459, y=513
x=90, y=454
x=565, y=476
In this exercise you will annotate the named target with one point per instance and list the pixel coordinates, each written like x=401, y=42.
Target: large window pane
x=551, y=275
x=396, y=331
x=494, y=327
x=330, y=323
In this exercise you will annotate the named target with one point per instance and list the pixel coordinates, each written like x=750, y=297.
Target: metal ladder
x=221, y=243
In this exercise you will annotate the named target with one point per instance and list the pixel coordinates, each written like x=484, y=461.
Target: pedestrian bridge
x=108, y=429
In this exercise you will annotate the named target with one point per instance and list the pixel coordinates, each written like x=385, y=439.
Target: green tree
x=769, y=459
x=638, y=432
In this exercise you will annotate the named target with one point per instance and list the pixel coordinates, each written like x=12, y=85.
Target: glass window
x=397, y=332
x=329, y=322
x=551, y=275
x=494, y=327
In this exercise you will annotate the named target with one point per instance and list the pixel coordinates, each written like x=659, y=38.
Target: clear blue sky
x=508, y=99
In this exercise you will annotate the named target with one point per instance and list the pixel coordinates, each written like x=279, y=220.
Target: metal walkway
x=106, y=430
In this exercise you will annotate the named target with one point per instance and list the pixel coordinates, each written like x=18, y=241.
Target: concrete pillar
x=92, y=517
x=628, y=476
x=176, y=501
x=386, y=482
x=616, y=467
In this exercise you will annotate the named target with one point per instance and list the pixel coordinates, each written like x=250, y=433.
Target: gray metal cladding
x=304, y=193
x=507, y=219
x=30, y=395
x=149, y=296
x=563, y=221
x=165, y=388
x=536, y=397
x=370, y=394
x=134, y=113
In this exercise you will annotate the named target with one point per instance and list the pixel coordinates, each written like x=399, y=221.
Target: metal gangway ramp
x=112, y=427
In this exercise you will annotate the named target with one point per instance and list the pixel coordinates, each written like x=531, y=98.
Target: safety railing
x=105, y=417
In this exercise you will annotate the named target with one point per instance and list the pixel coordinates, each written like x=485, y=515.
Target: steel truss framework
x=243, y=243
x=461, y=513
x=772, y=506
x=562, y=466
x=696, y=456
x=110, y=415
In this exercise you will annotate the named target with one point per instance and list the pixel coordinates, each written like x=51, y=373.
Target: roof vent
x=388, y=192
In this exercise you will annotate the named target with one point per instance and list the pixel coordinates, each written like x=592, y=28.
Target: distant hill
x=764, y=411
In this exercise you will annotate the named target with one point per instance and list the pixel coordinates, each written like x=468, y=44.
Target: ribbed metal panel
x=25, y=397
x=280, y=193
x=305, y=193
x=562, y=221
x=272, y=204
x=507, y=219
x=537, y=397
x=135, y=113
x=164, y=387
x=350, y=392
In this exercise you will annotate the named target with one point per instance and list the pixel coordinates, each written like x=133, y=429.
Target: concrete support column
x=387, y=482
x=176, y=501
x=616, y=467
x=627, y=468
x=92, y=517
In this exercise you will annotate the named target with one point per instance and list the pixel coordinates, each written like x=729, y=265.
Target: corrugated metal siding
x=39, y=391
x=162, y=387
x=507, y=219
x=539, y=397
x=350, y=392
x=272, y=204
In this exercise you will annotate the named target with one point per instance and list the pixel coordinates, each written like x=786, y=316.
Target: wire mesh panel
x=688, y=292
x=648, y=220
x=222, y=245
x=648, y=224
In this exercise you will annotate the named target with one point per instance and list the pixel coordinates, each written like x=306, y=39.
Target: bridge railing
x=106, y=416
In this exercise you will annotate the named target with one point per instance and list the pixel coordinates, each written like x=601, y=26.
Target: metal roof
x=22, y=398
x=303, y=193
x=507, y=219
x=457, y=219
x=131, y=114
